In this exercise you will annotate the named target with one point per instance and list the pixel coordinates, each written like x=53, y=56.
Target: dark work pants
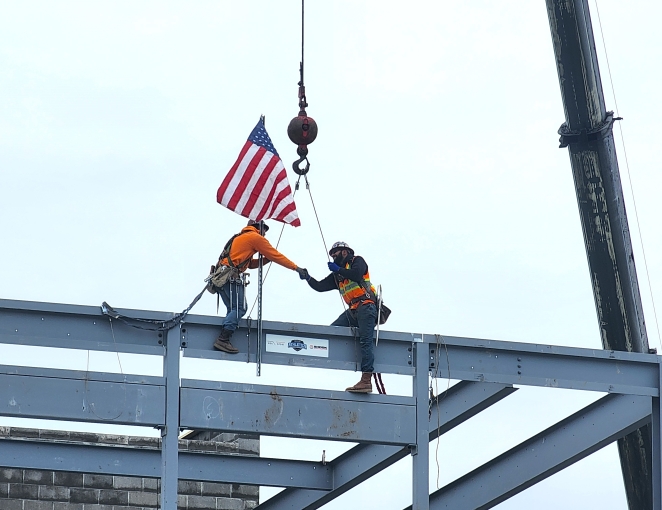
x=364, y=318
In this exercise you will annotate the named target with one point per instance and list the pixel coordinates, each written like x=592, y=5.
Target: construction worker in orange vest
x=239, y=256
x=349, y=274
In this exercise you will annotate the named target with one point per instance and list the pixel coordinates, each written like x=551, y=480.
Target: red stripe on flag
x=259, y=186
x=284, y=193
x=228, y=178
x=286, y=210
x=268, y=204
x=251, y=165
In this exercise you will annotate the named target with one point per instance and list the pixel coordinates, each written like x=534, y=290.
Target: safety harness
x=366, y=296
x=220, y=273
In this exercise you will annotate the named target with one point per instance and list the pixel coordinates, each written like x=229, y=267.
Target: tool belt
x=383, y=311
x=221, y=275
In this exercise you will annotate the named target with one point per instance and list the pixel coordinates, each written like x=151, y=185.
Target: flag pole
x=379, y=313
x=259, y=308
x=258, y=356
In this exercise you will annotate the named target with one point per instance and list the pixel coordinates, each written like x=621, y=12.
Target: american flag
x=256, y=186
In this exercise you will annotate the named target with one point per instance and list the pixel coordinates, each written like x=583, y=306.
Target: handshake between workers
x=348, y=274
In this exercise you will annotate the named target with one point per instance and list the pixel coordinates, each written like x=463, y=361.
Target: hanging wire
x=439, y=341
x=87, y=378
x=319, y=225
x=328, y=257
x=627, y=166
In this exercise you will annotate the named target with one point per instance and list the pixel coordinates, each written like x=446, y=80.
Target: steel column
x=421, y=451
x=170, y=433
x=656, y=441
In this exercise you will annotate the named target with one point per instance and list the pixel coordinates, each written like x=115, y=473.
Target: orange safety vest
x=355, y=294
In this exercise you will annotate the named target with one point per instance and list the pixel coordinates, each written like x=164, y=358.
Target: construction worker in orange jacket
x=244, y=246
x=349, y=274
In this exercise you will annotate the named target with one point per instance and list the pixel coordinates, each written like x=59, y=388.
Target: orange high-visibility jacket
x=251, y=242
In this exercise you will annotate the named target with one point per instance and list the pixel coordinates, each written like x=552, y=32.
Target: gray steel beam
x=81, y=396
x=453, y=407
x=548, y=366
x=296, y=412
x=554, y=449
x=468, y=358
x=67, y=326
x=256, y=471
x=76, y=327
x=392, y=356
x=127, y=461
x=79, y=458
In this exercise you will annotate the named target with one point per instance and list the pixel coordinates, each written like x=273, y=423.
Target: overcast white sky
x=437, y=160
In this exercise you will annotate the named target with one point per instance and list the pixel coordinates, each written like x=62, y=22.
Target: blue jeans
x=234, y=297
x=365, y=318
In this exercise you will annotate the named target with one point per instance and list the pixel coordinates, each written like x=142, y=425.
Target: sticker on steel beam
x=297, y=345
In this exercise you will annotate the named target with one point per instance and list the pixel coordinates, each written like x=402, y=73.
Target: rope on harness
x=379, y=383
x=151, y=324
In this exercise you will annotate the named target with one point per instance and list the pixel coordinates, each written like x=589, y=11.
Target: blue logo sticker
x=297, y=345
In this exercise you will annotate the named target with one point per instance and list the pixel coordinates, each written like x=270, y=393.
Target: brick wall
x=28, y=489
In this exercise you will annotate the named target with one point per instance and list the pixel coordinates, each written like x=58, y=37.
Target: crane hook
x=302, y=151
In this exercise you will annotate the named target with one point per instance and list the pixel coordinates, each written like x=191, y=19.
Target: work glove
x=333, y=267
x=303, y=273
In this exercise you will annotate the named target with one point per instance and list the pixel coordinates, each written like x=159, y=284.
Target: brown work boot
x=363, y=386
x=222, y=343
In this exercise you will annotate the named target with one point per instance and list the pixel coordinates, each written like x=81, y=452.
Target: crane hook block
x=302, y=129
x=302, y=151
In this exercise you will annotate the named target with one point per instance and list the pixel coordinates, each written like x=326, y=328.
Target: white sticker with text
x=298, y=345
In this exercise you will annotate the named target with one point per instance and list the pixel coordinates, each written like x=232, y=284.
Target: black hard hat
x=340, y=246
x=256, y=224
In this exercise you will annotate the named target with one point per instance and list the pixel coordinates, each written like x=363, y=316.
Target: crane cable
x=346, y=310
x=302, y=131
x=627, y=166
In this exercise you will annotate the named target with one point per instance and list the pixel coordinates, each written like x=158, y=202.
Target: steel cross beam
x=129, y=461
x=554, y=449
x=298, y=412
x=450, y=409
x=81, y=396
